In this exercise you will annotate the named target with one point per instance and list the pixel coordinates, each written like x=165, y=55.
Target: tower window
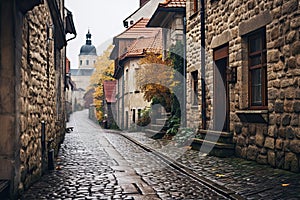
x=80, y=62
x=87, y=62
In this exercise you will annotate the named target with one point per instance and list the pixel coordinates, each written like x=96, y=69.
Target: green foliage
x=173, y=124
x=177, y=57
x=145, y=118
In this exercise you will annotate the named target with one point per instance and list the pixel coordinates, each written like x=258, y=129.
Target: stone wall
x=275, y=140
x=41, y=97
x=193, y=64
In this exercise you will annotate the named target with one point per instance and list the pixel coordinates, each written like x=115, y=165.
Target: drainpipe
x=184, y=72
x=203, y=85
x=123, y=96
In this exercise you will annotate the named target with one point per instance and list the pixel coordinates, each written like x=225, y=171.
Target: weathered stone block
x=296, y=107
x=297, y=133
x=251, y=140
x=241, y=141
x=286, y=120
x=291, y=37
x=279, y=159
x=289, y=6
x=252, y=152
x=279, y=107
x=295, y=146
x=271, y=158
x=279, y=144
x=291, y=63
x=272, y=94
x=273, y=56
x=291, y=162
x=295, y=120
x=262, y=159
x=290, y=133
x=295, y=22
x=269, y=143
x=259, y=140
x=295, y=49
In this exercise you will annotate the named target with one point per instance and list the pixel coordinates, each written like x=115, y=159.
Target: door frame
x=221, y=53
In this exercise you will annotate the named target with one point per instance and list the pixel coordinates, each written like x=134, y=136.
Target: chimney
x=143, y=2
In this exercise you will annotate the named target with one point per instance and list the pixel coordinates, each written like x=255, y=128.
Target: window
x=139, y=113
x=87, y=62
x=195, y=88
x=133, y=115
x=80, y=62
x=257, y=67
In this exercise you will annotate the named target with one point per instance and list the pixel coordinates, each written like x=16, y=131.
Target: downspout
x=203, y=85
x=184, y=72
x=123, y=96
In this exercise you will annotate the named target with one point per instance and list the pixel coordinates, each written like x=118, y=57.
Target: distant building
x=82, y=75
x=130, y=47
x=109, y=90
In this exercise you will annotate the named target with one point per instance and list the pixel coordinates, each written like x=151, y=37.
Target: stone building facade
x=251, y=76
x=32, y=103
x=130, y=47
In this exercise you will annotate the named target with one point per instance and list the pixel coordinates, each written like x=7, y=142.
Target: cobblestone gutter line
x=184, y=169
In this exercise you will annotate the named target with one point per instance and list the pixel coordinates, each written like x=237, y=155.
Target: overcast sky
x=103, y=18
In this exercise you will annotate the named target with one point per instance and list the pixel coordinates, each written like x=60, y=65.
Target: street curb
x=184, y=169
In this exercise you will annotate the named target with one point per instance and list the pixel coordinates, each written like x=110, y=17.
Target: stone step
x=216, y=136
x=213, y=148
x=157, y=127
x=154, y=134
x=161, y=121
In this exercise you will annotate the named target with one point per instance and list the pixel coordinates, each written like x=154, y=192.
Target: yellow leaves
x=104, y=70
x=220, y=175
x=155, y=77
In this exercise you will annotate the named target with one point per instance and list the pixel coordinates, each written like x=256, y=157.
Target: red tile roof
x=110, y=91
x=138, y=30
x=142, y=45
x=173, y=4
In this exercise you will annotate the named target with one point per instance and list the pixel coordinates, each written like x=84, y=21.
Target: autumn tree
x=155, y=79
x=162, y=80
x=104, y=70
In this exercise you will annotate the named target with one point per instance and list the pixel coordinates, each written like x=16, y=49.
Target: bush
x=145, y=118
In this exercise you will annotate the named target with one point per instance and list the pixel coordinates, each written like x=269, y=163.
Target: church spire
x=88, y=38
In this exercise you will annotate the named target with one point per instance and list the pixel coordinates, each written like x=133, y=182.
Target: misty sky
x=103, y=18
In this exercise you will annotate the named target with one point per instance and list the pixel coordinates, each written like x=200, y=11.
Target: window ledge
x=253, y=116
x=252, y=112
x=194, y=107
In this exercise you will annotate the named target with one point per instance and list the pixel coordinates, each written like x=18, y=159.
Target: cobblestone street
x=98, y=164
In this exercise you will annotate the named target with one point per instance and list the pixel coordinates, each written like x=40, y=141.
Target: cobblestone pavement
x=98, y=164
x=246, y=178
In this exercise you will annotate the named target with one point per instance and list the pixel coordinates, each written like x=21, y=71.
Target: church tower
x=88, y=53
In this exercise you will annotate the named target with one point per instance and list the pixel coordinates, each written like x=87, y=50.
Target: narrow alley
x=97, y=164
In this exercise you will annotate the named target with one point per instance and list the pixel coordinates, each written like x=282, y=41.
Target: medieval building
x=130, y=47
x=243, y=66
x=32, y=85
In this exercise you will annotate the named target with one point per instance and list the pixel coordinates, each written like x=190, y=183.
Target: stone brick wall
x=41, y=97
x=193, y=64
x=275, y=142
